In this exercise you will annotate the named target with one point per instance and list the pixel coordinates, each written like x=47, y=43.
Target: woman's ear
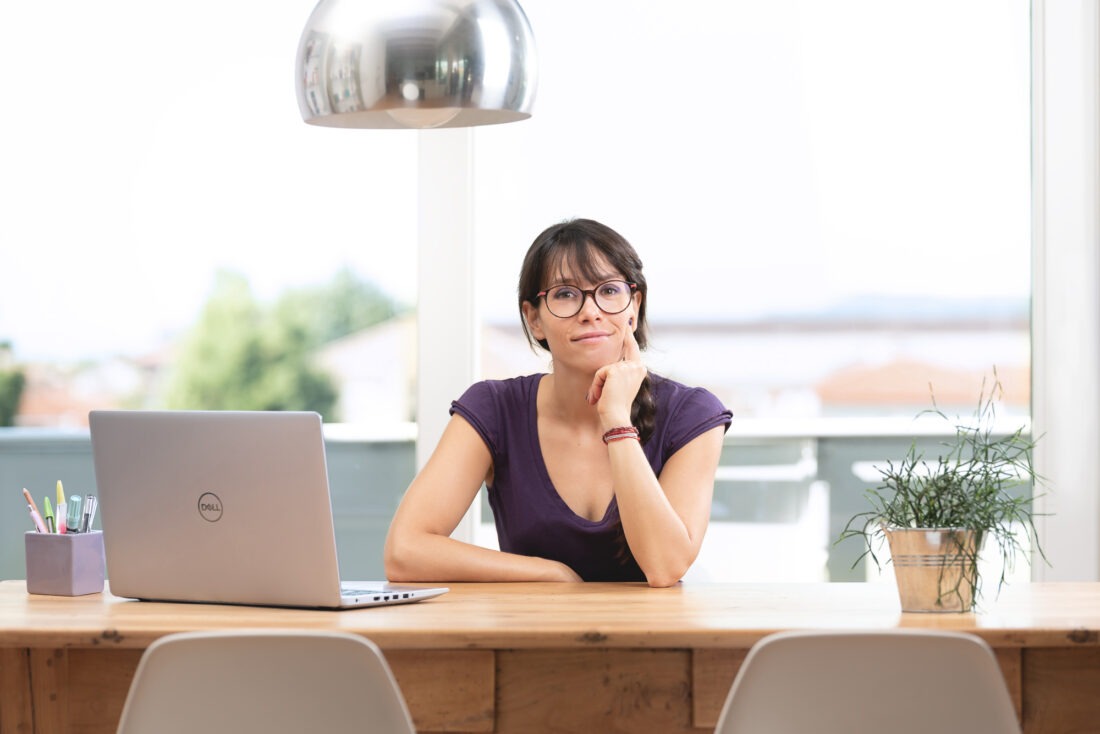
x=534, y=320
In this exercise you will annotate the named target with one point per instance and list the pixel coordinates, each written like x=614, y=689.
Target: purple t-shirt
x=531, y=517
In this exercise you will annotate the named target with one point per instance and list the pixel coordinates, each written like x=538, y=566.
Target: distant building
x=60, y=395
x=375, y=368
x=866, y=358
x=796, y=367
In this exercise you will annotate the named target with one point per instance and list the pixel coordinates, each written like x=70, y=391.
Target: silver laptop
x=225, y=507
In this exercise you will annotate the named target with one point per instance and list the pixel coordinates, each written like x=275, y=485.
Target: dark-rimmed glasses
x=611, y=297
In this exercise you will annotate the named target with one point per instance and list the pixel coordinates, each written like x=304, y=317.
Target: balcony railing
x=783, y=492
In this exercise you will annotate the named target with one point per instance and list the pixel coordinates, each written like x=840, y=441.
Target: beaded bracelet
x=622, y=432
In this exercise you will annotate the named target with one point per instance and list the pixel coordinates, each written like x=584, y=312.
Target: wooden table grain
x=531, y=657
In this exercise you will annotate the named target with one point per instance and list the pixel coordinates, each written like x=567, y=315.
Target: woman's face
x=591, y=337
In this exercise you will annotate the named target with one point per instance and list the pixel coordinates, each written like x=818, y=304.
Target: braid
x=643, y=413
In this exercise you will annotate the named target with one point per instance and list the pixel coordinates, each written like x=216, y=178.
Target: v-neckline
x=544, y=471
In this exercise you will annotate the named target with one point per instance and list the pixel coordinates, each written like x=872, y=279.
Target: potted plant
x=937, y=514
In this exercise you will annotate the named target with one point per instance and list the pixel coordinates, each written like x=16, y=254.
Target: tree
x=12, y=383
x=241, y=356
x=344, y=306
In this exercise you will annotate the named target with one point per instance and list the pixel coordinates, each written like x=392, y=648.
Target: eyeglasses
x=611, y=297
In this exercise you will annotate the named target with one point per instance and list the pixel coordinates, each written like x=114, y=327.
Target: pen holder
x=70, y=564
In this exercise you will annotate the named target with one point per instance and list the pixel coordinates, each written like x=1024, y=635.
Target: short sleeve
x=503, y=414
x=691, y=412
x=478, y=405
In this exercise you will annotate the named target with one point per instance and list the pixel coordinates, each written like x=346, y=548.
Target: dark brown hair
x=581, y=243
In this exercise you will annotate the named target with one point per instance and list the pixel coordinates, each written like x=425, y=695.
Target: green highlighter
x=73, y=513
x=48, y=516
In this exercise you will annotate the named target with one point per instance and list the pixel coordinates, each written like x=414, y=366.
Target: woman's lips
x=591, y=336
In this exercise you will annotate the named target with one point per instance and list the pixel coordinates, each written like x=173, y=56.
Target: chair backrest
x=900, y=681
x=267, y=681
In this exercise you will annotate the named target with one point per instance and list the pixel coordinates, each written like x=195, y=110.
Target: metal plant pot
x=936, y=569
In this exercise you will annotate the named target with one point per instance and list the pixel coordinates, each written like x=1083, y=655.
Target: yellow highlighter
x=62, y=510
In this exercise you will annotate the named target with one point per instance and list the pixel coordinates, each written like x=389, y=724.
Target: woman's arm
x=419, y=546
x=664, y=520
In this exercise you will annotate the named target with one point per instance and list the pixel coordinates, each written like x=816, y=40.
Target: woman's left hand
x=615, y=385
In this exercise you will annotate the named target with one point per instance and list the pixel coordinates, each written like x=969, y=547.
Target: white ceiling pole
x=447, y=334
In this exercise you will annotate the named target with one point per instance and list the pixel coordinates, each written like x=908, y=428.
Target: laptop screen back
x=216, y=506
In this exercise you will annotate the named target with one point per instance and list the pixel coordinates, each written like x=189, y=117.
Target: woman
x=596, y=471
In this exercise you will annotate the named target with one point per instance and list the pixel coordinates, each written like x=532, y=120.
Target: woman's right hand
x=614, y=386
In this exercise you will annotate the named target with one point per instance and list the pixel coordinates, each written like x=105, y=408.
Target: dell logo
x=210, y=507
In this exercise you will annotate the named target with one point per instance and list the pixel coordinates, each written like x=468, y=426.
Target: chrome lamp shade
x=415, y=64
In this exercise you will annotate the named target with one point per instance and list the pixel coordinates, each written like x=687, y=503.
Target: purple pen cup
x=71, y=564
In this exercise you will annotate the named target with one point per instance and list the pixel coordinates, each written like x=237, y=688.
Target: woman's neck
x=562, y=397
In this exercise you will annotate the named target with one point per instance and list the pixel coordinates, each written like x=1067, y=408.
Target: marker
x=90, y=504
x=49, y=515
x=33, y=508
x=62, y=510
x=74, y=514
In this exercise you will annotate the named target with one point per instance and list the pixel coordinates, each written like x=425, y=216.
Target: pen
x=49, y=515
x=30, y=500
x=62, y=510
x=90, y=504
x=74, y=514
x=38, y=524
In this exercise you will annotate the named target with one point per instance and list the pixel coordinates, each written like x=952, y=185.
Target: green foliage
x=241, y=356
x=12, y=383
x=974, y=485
x=344, y=306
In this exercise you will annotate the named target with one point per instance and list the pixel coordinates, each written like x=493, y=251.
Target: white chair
x=268, y=681
x=898, y=681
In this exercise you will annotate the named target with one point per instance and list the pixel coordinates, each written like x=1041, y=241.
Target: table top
x=557, y=615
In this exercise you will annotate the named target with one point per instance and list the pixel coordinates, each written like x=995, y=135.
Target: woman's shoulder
x=511, y=391
x=684, y=412
x=669, y=390
x=499, y=410
x=673, y=397
x=508, y=386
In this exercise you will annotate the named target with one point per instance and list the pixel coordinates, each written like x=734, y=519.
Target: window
x=832, y=202
x=147, y=148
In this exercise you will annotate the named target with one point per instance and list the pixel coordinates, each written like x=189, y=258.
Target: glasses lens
x=564, y=300
x=613, y=296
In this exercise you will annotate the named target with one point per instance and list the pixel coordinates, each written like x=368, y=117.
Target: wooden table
x=550, y=657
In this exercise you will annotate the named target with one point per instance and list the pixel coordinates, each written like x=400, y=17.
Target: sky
x=762, y=156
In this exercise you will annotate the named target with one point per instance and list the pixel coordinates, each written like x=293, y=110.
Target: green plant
x=975, y=484
x=12, y=384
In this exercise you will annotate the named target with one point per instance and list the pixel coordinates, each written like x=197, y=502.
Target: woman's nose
x=589, y=309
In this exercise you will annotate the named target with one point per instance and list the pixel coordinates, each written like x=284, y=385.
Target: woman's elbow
x=396, y=561
x=660, y=578
x=662, y=581
x=668, y=572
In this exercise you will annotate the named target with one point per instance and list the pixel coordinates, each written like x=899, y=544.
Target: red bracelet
x=622, y=432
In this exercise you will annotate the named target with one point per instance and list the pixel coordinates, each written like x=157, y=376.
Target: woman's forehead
x=588, y=265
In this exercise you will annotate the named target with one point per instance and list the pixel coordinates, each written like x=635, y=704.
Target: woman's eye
x=565, y=294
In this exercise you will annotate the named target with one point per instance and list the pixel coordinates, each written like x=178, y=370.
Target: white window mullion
x=1066, y=281
x=447, y=333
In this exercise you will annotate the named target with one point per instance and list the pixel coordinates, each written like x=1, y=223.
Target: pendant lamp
x=415, y=64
